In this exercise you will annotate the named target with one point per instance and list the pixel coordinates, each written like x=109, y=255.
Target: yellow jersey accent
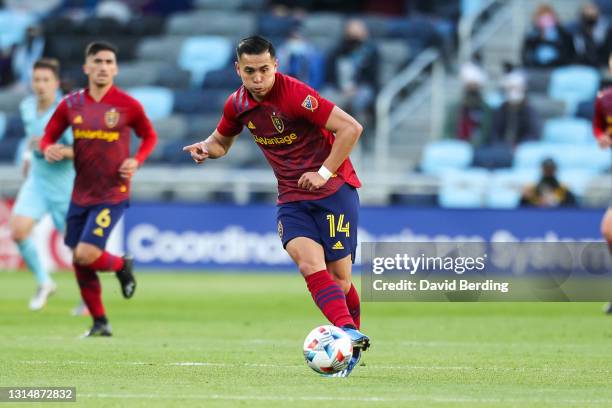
x=78, y=120
x=99, y=232
x=123, y=189
x=251, y=125
x=338, y=245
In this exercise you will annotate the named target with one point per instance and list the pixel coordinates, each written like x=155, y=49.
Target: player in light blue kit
x=48, y=186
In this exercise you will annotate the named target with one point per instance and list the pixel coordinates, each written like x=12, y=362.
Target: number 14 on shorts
x=340, y=227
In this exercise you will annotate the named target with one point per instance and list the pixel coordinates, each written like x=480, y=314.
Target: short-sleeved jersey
x=52, y=179
x=101, y=142
x=602, y=120
x=289, y=128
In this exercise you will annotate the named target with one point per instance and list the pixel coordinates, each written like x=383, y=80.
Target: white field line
x=414, y=398
x=368, y=366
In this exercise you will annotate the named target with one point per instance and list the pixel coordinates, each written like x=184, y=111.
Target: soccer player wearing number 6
x=307, y=141
x=602, y=128
x=101, y=117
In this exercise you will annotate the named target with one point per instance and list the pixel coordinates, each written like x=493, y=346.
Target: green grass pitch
x=233, y=340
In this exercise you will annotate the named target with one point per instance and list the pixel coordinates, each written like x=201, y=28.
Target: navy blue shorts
x=92, y=224
x=330, y=221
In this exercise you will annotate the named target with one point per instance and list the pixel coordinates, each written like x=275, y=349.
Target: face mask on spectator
x=589, y=20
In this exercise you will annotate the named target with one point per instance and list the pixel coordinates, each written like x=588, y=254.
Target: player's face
x=101, y=68
x=257, y=73
x=44, y=83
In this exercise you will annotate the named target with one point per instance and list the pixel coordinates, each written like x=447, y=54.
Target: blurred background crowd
x=465, y=103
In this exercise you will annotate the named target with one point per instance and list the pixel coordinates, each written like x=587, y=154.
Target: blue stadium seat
x=469, y=7
x=446, y=154
x=568, y=130
x=270, y=25
x=225, y=78
x=506, y=187
x=493, y=156
x=156, y=100
x=202, y=54
x=13, y=26
x=463, y=188
x=577, y=180
x=587, y=157
x=2, y=124
x=586, y=110
x=574, y=84
x=198, y=101
x=529, y=155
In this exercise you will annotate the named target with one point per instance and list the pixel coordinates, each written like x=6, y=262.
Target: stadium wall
x=203, y=236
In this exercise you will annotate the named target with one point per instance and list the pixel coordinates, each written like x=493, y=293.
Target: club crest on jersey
x=310, y=103
x=278, y=123
x=111, y=118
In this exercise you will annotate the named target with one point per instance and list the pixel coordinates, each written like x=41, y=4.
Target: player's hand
x=311, y=181
x=128, y=167
x=54, y=153
x=605, y=141
x=199, y=151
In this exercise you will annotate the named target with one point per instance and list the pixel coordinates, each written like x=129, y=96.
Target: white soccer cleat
x=42, y=294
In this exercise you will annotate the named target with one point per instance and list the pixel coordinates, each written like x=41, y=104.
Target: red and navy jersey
x=602, y=121
x=289, y=128
x=101, y=142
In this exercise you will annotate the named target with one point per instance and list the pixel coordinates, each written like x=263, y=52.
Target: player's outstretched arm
x=347, y=131
x=215, y=146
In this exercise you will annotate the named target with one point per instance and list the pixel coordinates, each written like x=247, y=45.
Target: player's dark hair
x=95, y=47
x=48, y=63
x=255, y=45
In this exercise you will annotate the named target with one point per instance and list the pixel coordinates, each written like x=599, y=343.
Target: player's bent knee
x=85, y=255
x=308, y=268
x=345, y=284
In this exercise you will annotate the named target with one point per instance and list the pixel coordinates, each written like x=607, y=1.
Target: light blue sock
x=29, y=254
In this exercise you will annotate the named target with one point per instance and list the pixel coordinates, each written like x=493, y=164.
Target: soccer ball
x=328, y=349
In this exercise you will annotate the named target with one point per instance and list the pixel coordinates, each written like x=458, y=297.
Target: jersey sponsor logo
x=281, y=140
x=338, y=245
x=310, y=103
x=278, y=123
x=78, y=120
x=280, y=230
x=96, y=134
x=251, y=125
x=111, y=118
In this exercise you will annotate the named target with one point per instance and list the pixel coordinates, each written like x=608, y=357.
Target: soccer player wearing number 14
x=307, y=141
x=101, y=118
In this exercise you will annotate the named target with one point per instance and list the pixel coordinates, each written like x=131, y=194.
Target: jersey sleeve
x=144, y=130
x=229, y=125
x=599, y=120
x=56, y=126
x=306, y=103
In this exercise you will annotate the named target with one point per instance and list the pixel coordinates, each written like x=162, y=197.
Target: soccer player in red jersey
x=101, y=117
x=307, y=141
x=602, y=128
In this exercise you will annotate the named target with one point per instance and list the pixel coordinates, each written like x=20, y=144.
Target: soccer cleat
x=351, y=365
x=359, y=340
x=126, y=277
x=98, y=330
x=42, y=294
x=608, y=308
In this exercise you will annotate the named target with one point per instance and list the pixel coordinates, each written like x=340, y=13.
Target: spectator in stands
x=470, y=119
x=592, y=37
x=26, y=53
x=547, y=44
x=548, y=192
x=302, y=60
x=515, y=121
